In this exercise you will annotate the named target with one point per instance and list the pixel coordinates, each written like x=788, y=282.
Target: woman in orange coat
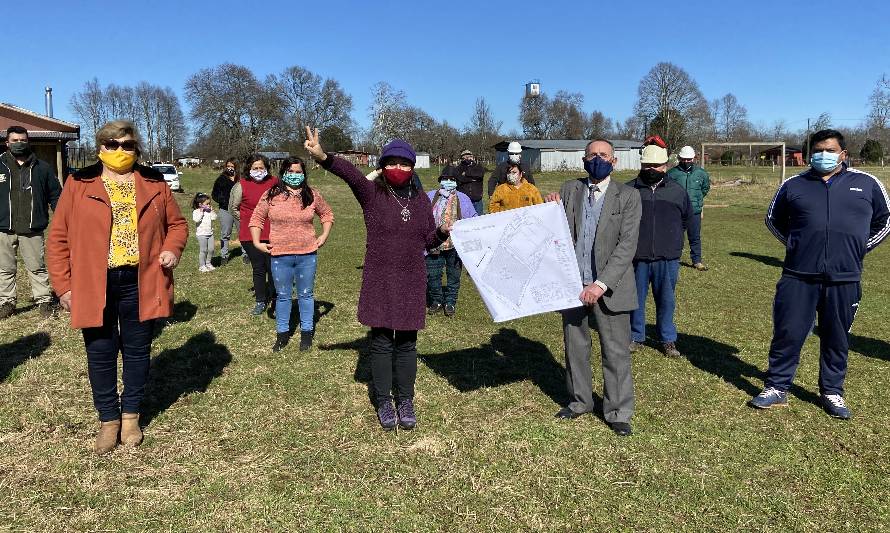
x=115, y=237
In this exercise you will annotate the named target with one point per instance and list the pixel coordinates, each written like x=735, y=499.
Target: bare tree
x=564, y=117
x=598, y=125
x=664, y=97
x=879, y=114
x=89, y=106
x=387, y=114
x=730, y=118
x=533, y=115
x=483, y=130
x=309, y=100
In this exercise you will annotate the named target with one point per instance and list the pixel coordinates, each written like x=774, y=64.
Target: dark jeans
x=797, y=304
x=449, y=261
x=121, y=331
x=663, y=276
x=261, y=264
x=479, y=206
x=693, y=231
x=393, y=358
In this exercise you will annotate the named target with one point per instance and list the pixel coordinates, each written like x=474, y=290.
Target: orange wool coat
x=80, y=234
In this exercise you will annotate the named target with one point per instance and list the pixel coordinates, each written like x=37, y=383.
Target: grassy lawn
x=239, y=438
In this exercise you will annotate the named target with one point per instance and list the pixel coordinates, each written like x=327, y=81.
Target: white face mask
x=514, y=158
x=258, y=174
x=513, y=178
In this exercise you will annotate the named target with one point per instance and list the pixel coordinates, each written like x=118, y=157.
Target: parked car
x=171, y=176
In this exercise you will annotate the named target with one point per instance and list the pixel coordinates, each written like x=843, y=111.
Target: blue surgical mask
x=598, y=168
x=824, y=162
x=448, y=185
x=294, y=179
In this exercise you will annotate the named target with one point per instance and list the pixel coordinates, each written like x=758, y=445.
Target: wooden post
x=783, y=164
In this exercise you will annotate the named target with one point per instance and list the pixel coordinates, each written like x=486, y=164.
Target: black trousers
x=393, y=362
x=120, y=332
x=261, y=264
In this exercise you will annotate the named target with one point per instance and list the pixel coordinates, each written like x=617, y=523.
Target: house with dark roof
x=49, y=136
x=545, y=155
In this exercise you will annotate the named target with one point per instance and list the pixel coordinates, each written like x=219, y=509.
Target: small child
x=203, y=215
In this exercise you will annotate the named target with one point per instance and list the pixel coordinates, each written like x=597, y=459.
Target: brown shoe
x=131, y=433
x=7, y=310
x=46, y=309
x=107, y=437
x=700, y=267
x=670, y=350
x=635, y=346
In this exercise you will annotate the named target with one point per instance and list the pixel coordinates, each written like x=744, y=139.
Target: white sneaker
x=209, y=267
x=203, y=269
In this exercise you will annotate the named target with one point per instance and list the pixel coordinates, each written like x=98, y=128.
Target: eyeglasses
x=601, y=155
x=127, y=146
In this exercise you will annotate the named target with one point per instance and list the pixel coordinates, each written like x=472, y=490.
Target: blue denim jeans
x=287, y=271
x=479, y=206
x=435, y=263
x=693, y=231
x=120, y=332
x=663, y=277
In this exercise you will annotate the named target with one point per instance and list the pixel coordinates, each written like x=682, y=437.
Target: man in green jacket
x=697, y=184
x=28, y=188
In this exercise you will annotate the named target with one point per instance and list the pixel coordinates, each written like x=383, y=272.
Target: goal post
x=750, y=146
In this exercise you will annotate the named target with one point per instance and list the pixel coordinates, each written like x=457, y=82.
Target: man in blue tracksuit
x=828, y=218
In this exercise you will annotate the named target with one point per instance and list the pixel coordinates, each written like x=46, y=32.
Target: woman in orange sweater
x=290, y=206
x=516, y=192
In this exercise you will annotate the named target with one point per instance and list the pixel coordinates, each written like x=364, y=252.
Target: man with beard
x=666, y=212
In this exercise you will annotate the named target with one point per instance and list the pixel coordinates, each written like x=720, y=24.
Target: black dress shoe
x=622, y=429
x=567, y=414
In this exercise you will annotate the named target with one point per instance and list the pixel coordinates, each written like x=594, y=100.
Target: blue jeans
x=121, y=331
x=435, y=263
x=288, y=270
x=479, y=206
x=693, y=230
x=663, y=277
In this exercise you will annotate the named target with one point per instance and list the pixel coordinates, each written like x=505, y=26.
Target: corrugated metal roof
x=275, y=155
x=37, y=134
x=567, y=144
x=24, y=111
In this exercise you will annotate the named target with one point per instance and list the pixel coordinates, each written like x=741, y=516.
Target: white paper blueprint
x=522, y=261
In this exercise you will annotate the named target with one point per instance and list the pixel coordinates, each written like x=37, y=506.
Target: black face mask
x=20, y=149
x=467, y=162
x=685, y=166
x=651, y=176
x=230, y=171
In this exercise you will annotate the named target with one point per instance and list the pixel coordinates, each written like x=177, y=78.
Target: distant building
x=49, y=136
x=793, y=156
x=566, y=154
x=275, y=158
x=423, y=160
x=356, y=157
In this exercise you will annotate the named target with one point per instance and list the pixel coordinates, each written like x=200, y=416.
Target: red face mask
x=396, y=176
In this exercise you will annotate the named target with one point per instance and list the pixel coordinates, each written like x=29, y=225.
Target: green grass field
x=239, y=438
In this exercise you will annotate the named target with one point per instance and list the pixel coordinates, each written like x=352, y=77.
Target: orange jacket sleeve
x=176, y=226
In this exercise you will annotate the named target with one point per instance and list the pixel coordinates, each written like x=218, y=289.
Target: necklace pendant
x=406, y=214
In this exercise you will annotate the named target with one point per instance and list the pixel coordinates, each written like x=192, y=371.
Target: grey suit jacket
x=616, y=238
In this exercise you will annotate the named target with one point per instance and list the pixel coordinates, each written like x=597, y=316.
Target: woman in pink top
x=290, y=207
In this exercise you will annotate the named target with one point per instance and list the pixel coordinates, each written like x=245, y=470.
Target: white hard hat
x=514, y=148
x=686, y=153
x=653, y=154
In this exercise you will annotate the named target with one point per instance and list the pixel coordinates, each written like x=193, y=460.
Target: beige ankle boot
x=131, y=434
x=106, y=439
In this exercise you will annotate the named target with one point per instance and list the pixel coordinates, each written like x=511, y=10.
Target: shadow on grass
x=765, y=259
x=721, y=360
x=183, y=311
x=178, y=372
x=507, y=358
x=876, y=348
x=15, y=353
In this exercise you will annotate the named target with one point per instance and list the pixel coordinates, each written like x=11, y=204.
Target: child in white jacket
x=204, y=215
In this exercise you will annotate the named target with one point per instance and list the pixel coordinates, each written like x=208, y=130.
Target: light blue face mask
x=448, y=185
x=294, y=179
x=824, y=162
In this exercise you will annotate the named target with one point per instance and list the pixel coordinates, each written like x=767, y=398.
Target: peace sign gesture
x=313, y=145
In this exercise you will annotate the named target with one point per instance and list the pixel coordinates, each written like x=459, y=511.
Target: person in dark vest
x=449, y=206
x=30, y=188
x=400, y=227
x=470, y=179
x=244, y=197
x=222, y=190
x=827, y=218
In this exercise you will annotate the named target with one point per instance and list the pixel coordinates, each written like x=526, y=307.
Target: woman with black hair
x=400, y=226
x=244, y=197
x=288, y=210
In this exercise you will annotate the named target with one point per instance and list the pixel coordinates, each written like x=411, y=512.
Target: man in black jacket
x=469, y=181
x=666, y=212
x=30, y=187
x=499, y=174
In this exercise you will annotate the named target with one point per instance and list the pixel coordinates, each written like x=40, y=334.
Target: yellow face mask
x=118, y=160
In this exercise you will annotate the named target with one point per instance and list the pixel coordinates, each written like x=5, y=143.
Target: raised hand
x=313, y=145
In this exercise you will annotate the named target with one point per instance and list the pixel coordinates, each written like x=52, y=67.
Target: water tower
x=533, y=88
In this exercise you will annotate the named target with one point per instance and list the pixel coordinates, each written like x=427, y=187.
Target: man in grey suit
x=604, y=219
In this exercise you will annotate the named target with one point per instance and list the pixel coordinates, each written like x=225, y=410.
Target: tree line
x=232, y=111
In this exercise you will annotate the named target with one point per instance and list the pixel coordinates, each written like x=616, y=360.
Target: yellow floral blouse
x=124, y=247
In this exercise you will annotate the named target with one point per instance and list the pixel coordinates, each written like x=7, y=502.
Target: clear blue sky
x=782, y=59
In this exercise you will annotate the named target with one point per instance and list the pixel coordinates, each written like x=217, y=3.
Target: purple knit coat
x=394, y=281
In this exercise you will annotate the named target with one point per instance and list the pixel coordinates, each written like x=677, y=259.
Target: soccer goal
x=745, y=153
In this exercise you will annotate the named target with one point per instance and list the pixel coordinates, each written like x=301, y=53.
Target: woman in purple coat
x=400, y=228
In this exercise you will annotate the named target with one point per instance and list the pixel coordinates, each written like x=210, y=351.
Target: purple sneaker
x=387, y=416
x=407, y=418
